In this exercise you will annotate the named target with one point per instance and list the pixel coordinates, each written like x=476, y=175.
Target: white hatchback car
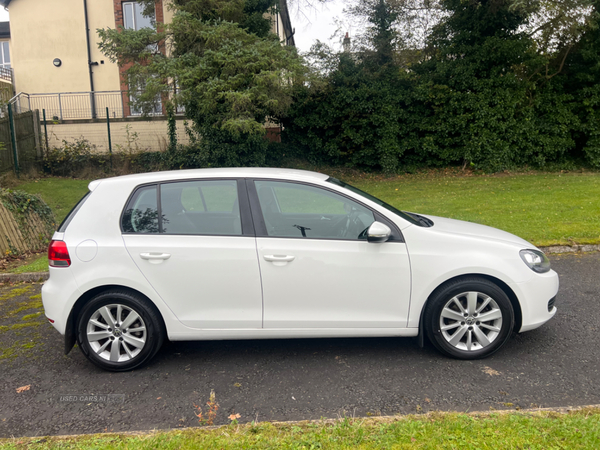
x=274, y=253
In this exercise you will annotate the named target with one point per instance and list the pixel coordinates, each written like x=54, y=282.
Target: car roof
x=238, y=172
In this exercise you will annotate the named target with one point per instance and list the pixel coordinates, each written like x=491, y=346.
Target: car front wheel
x=119, y=330
x=469, y=318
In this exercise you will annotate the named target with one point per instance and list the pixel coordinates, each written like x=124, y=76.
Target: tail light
x=58, y=254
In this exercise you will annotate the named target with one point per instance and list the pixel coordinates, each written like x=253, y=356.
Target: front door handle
x=155, y=257
x=279, y=258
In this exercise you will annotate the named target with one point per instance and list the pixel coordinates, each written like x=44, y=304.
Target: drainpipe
x=90, y=63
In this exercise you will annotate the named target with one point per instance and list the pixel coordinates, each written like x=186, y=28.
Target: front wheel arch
x=71, y=326
x=518, y=314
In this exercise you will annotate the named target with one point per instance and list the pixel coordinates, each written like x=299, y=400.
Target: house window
x=4, y=55
x=155, y=108
x=133, y=17
x=180, y=109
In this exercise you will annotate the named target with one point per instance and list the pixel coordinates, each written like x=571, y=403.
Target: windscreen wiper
x=302, y=229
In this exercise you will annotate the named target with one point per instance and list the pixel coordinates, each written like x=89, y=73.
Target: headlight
x=536, y=260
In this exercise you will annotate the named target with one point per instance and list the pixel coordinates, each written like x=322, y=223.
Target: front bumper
x=534, y=296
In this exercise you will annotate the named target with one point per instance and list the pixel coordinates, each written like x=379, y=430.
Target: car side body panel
x=334, y=283
x=438, y=256
x=209, y=282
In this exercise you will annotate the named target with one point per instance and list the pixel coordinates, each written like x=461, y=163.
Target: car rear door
x=194, y=242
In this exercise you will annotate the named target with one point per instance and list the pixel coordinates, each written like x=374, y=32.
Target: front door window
x=301, y=211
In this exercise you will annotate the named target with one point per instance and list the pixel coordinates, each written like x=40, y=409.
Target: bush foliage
x=481, y=92
x=80, y=158
x=33, y=217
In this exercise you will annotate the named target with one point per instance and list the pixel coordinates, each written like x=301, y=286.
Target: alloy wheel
x=116, y=333
x=470, y=321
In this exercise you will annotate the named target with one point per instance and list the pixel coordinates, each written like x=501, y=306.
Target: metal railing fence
x=76, y=105
x=6, y=74
x=81, y=105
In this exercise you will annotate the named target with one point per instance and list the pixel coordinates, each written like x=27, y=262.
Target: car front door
x=200, y=257
x=317, y=268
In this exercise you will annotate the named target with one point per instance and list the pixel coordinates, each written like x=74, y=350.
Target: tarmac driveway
x=46, y=393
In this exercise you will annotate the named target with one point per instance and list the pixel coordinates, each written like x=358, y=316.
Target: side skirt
x=201, y=335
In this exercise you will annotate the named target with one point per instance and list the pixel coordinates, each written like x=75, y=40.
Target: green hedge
x=480, y=94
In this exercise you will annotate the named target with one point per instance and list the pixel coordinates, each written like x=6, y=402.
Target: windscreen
x=406, y=216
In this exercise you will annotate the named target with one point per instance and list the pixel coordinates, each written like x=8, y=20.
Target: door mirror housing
x=378, y=232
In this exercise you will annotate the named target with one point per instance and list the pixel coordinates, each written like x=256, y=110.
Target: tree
x=358, y=110
x=489, y=108
x=582, y=81
x=219, y=60
x=380, y=34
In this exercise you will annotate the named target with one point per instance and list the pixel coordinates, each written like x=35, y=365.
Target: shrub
x=74, y=157
x=34, y=219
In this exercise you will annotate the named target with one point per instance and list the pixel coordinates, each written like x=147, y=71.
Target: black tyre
x=119, y=330
x=469, y=318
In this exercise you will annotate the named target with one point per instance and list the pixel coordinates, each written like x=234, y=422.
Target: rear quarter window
x=141, y=212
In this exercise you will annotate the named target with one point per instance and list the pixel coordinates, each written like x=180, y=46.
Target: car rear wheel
x=469, y=318
x=119, y=330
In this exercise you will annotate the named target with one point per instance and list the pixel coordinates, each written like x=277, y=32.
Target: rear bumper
x=59, y=294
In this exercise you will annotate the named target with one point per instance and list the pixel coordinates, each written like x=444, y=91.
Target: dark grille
x=551, y=303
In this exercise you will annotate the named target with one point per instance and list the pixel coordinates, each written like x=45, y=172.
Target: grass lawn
x=61, y=194
x=545, y=209
x=543, y=430
x=39, y=264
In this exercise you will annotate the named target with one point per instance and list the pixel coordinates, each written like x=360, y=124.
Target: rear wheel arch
x=518, y=314
x=71, y=327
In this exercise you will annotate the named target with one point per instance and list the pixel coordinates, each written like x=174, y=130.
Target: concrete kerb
x=43, y=276
x=23, y=277
x=575, y=248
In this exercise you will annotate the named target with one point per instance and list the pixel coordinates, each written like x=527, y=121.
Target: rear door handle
x=155, y=256
x=279, y=258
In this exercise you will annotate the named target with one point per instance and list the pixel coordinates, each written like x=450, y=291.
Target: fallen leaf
x=490, y=371
x=234, y=416
x=23, y=388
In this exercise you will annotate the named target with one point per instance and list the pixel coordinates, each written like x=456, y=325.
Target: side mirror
x=378, y=232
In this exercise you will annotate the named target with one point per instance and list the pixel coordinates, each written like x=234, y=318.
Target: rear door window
x=201, y=207
x=187, y=207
